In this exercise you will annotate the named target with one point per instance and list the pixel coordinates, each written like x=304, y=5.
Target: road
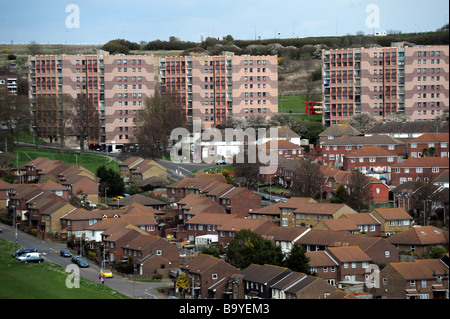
x=179, y=171
x=50, y=252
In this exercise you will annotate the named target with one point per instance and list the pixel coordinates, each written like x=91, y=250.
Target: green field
x=43, y=281
x=295, y=104
x=88, y=161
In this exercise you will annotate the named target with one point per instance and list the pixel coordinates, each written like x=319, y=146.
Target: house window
x=419, y=170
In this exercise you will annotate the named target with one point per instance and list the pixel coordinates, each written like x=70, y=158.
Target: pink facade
x=383, y=81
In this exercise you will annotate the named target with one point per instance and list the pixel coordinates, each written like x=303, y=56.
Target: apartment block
x=116, y=85
x=215, y=88
x=385, y=80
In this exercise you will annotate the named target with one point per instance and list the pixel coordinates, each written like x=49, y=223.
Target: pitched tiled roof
x=320, y=259
x=421, y=269
x=408, y=127
x=361, y=219
x=210, y=219
x=320, y=208
x=341, y=130
x=431, y=138
x=369, y=151
x=414, y=162
x=255, y=225
x=424, y=235
x=281, y=145
x=349, y=254
x=364, y=140
x=263, y=274
x=295, y=202
x=340, y=224
x=396, y=213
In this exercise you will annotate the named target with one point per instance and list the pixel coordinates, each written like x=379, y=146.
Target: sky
x=99, y=21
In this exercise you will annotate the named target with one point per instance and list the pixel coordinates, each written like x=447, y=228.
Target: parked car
x=65, y=253
x=22, y=251
x=75, y=259
x=106, y=273
x=31, y=257
x=1, y=230
x=222, y=162
x=118, y=198
x=81, y=262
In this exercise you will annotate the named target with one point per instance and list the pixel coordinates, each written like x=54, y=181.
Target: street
x=50, y=251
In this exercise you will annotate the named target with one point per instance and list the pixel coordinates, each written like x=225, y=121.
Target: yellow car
x=118, y=198
x=106, y=273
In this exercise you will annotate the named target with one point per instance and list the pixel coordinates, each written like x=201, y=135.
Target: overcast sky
x=98, y=21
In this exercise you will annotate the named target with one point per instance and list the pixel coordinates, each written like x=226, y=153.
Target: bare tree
x=308, y=178
x=162, y=113
x=360, y=196
x=85, y=121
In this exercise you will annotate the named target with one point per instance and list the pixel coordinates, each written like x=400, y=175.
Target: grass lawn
x=43, y=281
x=89, y=161
x=296, y=104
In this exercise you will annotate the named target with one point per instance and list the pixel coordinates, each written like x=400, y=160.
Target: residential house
x=150, y=254
x=76, y=223
x=310, y=213
x=300, y=286
x=140, y=199
x=282, y=133
x=36, y=169
x=418, y=169
x=442, y=179
x=378, y=189
x=56, y=188
x=370, y=160
x=340, y=224
x=229, y=228
x=338, y=130
x=353, y=263
x=392, y=220
x=37, y=204
x=116, y=237
x=126, y=166
x=18, y=202
x=288, y=208
x=377, y=248
x=240, y=201
x=285, y=237
x=271, y=212
x=258, y=280
x=421, y=279
x=206, y=224
x=186, y=186
x=419, y=239
x=286, y=171
x=50, y=221
x=193, y=204
x=147, y=169
x=366, y=223
x=429, y=144
x=322, y=264
x=407, y=130
x=333, y=151
x=283, y=148
x=81, y=182
x=5, y=188
x=205, y=271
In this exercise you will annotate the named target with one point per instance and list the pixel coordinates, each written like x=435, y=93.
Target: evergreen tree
x=297, y=260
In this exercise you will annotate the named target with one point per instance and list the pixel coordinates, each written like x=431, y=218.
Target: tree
x=161, y=114
x=341, y=195
x=308, y=178
x=86, y=121
x=362, y=121
x=111, y=180
x=248, y=248
x=183, y=283
x=297, y=259
x=359, y=194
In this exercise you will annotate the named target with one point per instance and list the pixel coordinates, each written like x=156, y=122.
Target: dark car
x=22, y=251
x=81, y=262
x=75, y=259
x=65, y=253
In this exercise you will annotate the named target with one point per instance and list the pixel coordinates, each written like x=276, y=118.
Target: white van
x=31, y=257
